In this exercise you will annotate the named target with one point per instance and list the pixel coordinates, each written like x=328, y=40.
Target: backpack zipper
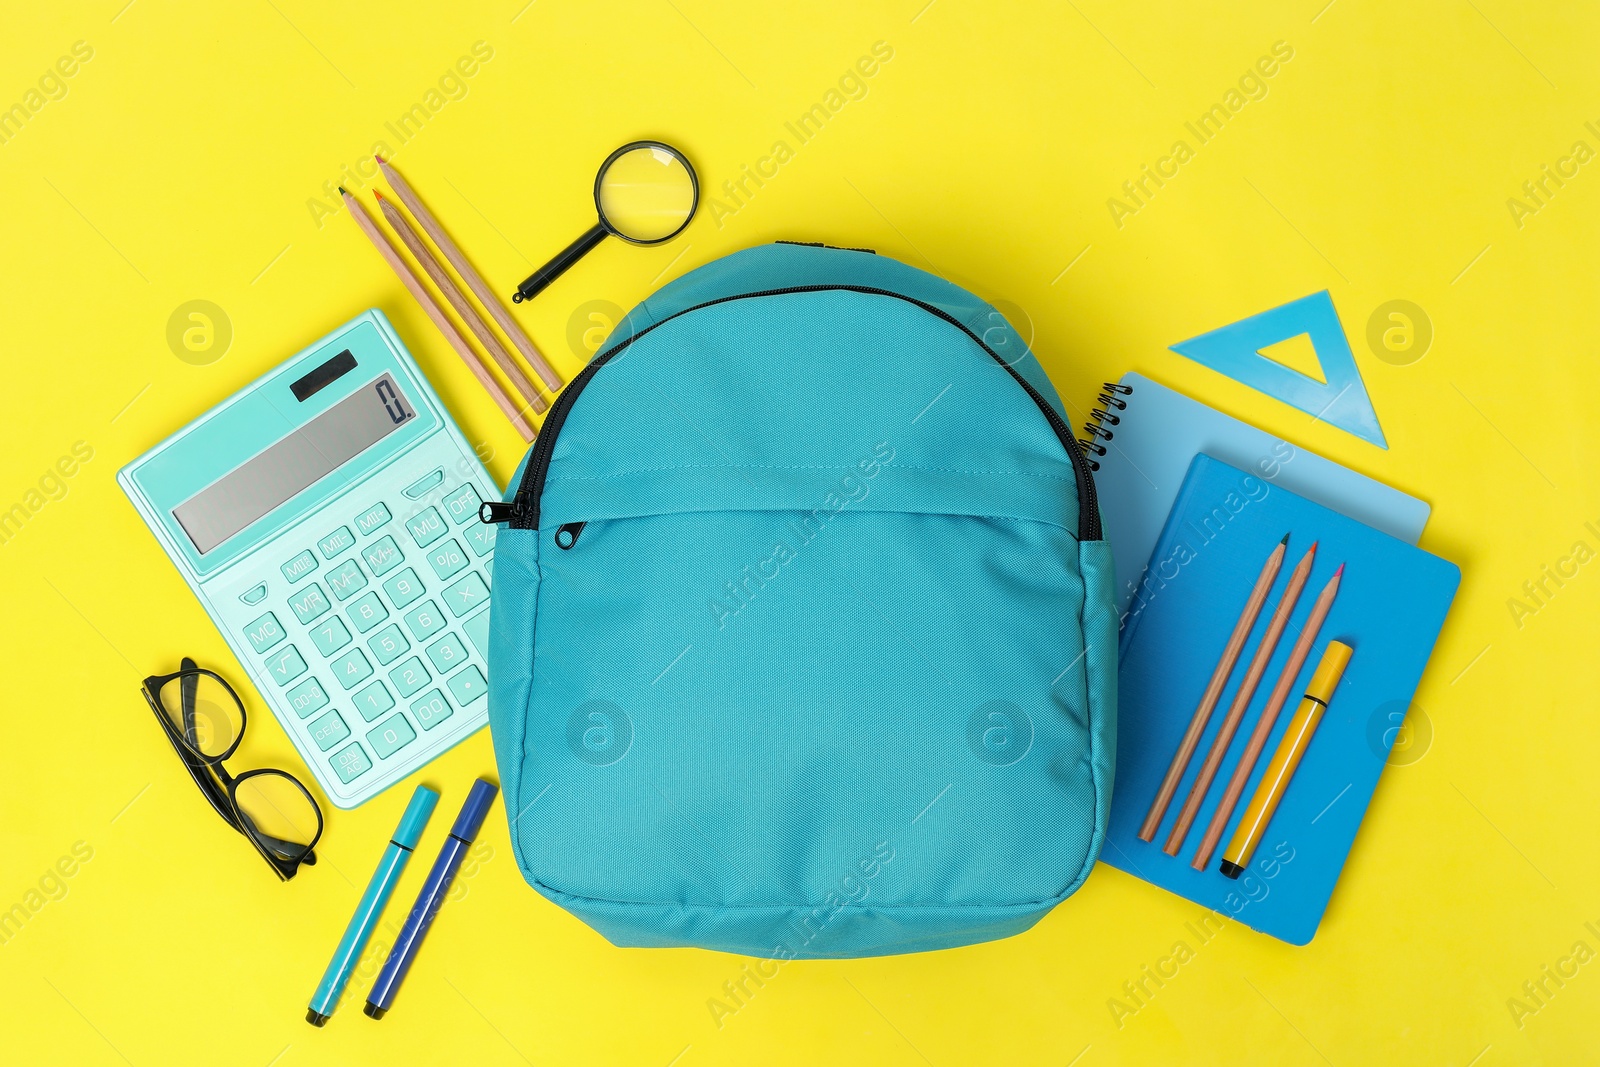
x=522, y=511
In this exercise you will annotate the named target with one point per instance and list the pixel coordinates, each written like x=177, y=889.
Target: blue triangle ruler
x=1235, y=350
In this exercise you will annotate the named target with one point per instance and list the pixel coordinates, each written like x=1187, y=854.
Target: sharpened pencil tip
x=343, y=191
x=1285, y=540
x=378, y=195
x=378, y=158
x=1339, y=571
x=1313, y=547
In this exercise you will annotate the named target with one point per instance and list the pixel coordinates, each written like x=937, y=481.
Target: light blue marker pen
x=362, y=922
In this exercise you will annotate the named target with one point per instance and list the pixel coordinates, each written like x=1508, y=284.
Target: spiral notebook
x=1143, y=438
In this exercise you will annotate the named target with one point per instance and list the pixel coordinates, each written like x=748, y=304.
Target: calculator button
x=307, y=697
x=299, y=567
x=447, y=653
x=255, y=594
x=373, y=701
x=309, y=604
x=382, y=555
x=466, y=595
x=403, y=588
x=371, y=519
x=425, y=484
x=330, y=635
x=349, y=763
x=264, y=632
x=480, y=538
x=345, y=580
x=425, y=621
x=367, y=612
x=426, y=528
x=329, y=731
x=461, y=504
x=467, y=685
x=477, y=631
x=431, y=709
x=388, y=643
x=286, y=666
x=351, y=668
x=336, y=542
x=409, y=677
x=447, y=559
x=390, y=736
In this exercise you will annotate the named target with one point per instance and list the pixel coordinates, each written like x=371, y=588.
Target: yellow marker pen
x=1295, y=740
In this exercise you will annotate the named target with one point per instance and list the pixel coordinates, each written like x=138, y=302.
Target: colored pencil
x=458, y=300
x=1208, y=701
x=474, y=280
x=420, y=294
x=1241, y=701
x=1269, y=717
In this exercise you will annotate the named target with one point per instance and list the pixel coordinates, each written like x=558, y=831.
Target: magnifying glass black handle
x=536, y=282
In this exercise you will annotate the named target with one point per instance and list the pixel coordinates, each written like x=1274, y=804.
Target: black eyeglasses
x=204, y=719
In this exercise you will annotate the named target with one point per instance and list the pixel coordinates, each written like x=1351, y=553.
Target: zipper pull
x=567, y=534
x=493, y=512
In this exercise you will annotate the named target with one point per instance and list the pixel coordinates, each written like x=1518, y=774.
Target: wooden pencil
x=420, y=294
x=1241, y=701
x=1213, y=692
x=474, y=280
x=458, y=300
x=1269, y=716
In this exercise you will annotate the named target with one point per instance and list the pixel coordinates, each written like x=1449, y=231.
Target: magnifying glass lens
x=646, y=194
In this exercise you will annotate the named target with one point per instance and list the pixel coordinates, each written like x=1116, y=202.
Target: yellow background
x=178, y=166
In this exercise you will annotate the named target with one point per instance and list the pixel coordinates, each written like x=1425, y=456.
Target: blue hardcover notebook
x=1158, y=431
x=1391, y=604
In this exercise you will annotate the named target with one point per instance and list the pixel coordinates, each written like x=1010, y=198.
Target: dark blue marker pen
x=433, y=891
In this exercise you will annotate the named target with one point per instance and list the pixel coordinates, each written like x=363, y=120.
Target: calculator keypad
x=405, y=649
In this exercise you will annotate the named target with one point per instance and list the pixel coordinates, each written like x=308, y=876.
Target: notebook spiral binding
x=1105, y=415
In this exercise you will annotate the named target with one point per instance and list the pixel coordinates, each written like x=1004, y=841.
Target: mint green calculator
x=327, y=518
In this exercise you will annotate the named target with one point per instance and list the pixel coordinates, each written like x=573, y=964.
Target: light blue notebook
x=1160, y=431
x=1392, y=602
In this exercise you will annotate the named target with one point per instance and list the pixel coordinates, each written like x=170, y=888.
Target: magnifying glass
x=645, y=193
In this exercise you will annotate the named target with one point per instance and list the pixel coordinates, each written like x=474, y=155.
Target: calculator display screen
x=294, y=463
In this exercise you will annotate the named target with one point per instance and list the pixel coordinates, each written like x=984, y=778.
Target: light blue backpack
x=803, y=642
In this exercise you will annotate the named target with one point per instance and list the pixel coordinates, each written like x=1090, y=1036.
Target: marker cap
x=1329, y=671
x=474, y=810
x=416, y=817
